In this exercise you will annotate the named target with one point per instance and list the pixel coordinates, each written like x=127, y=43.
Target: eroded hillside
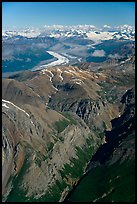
x=54, y=121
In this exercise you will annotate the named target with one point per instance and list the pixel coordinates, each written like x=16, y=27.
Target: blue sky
x=37, y=14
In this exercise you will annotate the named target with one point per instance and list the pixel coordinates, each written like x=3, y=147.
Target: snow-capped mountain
x=29, y=48
x=124, y=32
x=28, y=32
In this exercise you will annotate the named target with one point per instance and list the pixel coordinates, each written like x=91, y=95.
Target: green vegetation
x=104, y=125
x=9, y=180
x=107, y=183
x=17, y=194
x=38, y=162
x=100, y=134
x=77, y=165
x=72, y=171
x=50, y=146
x=61, y=125
x=54, y=192
x=69, y=116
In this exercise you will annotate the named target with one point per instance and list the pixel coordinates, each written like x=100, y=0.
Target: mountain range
x=56, y=119
x=73, y=44
x=68, y=114
x=59, y=31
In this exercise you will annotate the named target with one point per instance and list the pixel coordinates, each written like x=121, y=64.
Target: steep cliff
x=110, y=175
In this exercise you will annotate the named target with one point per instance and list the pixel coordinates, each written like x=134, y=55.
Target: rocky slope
x=113, y=165
x=54, y=120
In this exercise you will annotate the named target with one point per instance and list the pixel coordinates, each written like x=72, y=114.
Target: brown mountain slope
x=49, y=119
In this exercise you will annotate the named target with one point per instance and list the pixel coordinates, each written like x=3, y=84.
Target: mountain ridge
x=63, y=126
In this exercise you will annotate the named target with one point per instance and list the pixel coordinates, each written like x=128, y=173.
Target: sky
x=38, y=14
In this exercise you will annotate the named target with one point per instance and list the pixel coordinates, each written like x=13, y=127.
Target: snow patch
x=79, y=83
x=4, y=105
x=54, y=88
x=60, y=74
x=52, y=75
x=15, y=106
x=43, y=71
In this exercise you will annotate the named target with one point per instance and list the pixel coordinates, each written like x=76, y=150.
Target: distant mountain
x=86, y=31
x=58, y=31
x=27, y=49
x=68, y=111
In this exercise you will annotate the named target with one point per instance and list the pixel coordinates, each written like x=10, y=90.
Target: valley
x=68, y=114
x=54, y=121
x=70, y=45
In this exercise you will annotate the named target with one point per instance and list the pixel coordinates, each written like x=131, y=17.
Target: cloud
x=106, y=26
x=115, y=56
x=7, y=53
x=28, y=60
x=19, y=59
x=98, y=53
